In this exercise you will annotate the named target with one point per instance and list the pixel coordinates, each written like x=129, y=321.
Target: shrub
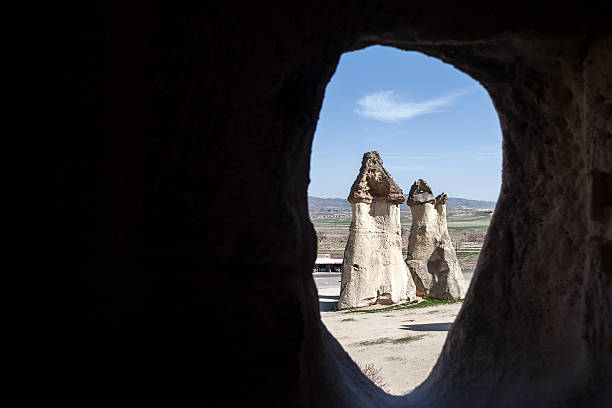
x=373, y=373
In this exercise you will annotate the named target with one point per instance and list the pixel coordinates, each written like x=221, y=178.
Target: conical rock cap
x=374, y=183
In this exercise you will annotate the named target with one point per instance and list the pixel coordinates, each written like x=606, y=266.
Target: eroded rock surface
x=431, y=259
x=374, y=271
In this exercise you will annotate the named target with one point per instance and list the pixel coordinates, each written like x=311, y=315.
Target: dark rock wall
x=174, y=128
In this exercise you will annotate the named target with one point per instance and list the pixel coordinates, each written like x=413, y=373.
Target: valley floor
x=403, y=344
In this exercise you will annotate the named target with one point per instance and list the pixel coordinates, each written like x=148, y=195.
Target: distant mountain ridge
x=341, y=204
x=454, y=202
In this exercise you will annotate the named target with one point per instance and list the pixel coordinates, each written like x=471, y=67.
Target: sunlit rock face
x=431, y=259
x=374, y=271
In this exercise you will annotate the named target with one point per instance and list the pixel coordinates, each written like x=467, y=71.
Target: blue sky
x=426, y=118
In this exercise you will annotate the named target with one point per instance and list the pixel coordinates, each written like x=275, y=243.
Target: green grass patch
x=427, y=302
x=323, y=223
x=473, y=227
x=466, y=219
x=468, y=256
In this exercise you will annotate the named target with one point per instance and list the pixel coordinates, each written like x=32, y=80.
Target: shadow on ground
x=328, y=303
x=427, y=327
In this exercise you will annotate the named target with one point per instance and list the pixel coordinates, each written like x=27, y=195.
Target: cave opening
x=429, y=121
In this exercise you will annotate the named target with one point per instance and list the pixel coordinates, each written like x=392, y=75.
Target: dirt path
x=403, y=344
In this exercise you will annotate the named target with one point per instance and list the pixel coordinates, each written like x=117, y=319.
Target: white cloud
x=386, y=106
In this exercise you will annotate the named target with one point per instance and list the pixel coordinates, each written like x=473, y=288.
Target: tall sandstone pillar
x=374, y=271
x=431, y=258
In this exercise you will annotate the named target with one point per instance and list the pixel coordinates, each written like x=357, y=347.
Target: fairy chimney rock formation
x=374, y=271
x=431, y=259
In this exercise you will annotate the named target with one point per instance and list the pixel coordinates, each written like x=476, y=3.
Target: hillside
x=454, y=202
x=317, y=204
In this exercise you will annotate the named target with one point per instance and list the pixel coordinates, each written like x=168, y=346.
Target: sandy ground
x=403, y=344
